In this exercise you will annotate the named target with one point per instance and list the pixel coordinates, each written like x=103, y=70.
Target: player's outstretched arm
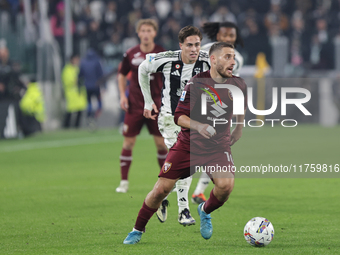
x=237, y=132
x=205, y=130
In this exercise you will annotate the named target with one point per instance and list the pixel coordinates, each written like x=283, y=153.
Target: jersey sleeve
x=153, y=63
x=124, y=67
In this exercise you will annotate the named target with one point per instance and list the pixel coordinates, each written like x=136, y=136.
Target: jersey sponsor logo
x=182, y=96
x=166, y=167
x=137, y=61
x=219, y=110
x=136, y=55
x=176, y=73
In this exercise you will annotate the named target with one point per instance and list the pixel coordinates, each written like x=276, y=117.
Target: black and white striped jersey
x=238, y=58
x=175, y=76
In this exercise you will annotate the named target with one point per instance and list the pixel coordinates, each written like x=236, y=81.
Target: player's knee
x=160, y=144
x=161, y=192
x=128, y=144
x=162, y=147
x=226, y=187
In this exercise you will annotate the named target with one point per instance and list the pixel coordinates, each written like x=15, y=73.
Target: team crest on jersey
x=230, y=95
x=182, y=96
x=177, y=66
x=166, y=167
x=197, y=70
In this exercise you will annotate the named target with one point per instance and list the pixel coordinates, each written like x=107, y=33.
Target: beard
x=223, y=72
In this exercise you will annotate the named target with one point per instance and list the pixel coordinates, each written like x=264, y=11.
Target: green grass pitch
x=57, y=196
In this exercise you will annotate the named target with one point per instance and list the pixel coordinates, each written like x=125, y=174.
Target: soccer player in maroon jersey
x=220, y=32
x=134, y=103
x=199, y=143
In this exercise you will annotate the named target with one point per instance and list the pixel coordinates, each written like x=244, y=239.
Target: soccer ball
x=259, y=232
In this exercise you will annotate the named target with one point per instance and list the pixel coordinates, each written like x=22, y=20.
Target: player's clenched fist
x=147, y=113
x=206, y=130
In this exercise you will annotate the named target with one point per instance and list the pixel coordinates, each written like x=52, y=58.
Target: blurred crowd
x=108, y=26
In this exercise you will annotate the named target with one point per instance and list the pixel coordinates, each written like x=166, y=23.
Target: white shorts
x=168, y=128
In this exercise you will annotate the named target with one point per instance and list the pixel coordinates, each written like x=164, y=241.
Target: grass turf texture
x=57, y=196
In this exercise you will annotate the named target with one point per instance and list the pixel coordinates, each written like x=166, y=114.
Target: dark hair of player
x=149, y=22
x=218, y=46
x=212, y=28
x=188, y=31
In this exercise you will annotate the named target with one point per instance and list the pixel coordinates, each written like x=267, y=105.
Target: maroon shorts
x=133, y=123
x=180, y=163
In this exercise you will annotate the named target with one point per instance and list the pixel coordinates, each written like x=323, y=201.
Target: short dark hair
x=218, y=46
x=188, y=31
x=211, y=29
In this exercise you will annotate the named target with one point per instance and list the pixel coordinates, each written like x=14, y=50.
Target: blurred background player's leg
x=100, y=104
x=78, y=119
x=67, y=120
x=203, y=182
x=133, y=123
x=162, y=150
x=125, y=162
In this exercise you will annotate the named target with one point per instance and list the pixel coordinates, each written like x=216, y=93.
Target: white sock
x=182, y=187
x=202, y=184
x=202, y=208
x=137, y=230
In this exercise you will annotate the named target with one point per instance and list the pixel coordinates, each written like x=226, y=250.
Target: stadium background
x=57, y=188
x=300, y=39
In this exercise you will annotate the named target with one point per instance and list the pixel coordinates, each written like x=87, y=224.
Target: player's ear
x=180, y=46
x=212, y=58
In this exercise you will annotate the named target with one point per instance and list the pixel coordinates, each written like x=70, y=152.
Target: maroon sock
x=161, y=156
x=144, y=215
x=212, y=203
x=125, y=162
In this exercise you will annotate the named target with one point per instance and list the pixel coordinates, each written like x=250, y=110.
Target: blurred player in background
x=177, y=67
x=90, y=73
x=199, y=144
x=221, y=32
x=134, y=103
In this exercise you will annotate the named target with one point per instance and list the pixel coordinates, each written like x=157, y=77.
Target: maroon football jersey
x=132, y=59
x=219, y=107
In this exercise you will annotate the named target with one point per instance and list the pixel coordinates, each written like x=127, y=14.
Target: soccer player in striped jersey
x=221, y=32
x=177, y=67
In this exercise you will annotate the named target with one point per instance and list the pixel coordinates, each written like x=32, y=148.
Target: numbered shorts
x=168, y=128
x=133, y=123
x=180, y=163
